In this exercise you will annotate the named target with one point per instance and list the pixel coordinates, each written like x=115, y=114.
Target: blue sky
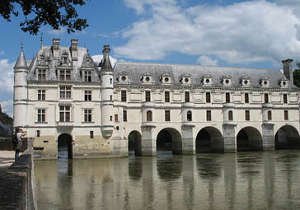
x=255, y=33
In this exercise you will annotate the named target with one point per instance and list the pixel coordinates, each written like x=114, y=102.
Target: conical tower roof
x=21, y=61
x=105, y=63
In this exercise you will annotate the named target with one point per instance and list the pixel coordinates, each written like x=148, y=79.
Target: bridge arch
x=249, y=139
x=287, y=137
x=169, y=139
x=135, y=143
x=64, y=146
x=209, y=139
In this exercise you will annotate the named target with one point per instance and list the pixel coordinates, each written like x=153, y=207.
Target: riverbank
x=16, y=181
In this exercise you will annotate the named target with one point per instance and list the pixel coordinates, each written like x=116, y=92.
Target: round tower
x=20, y=91
x=107, y=124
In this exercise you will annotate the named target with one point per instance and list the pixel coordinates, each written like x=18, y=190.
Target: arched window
x=230, y=115
x=189, y=115
x=269, y=115
x=149, y=116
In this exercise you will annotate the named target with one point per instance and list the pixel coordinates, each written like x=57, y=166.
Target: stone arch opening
x=209, y=139
x=135, y=143
x=169, y=139
x=249, y=139
x=287, y=137
x=64, y=146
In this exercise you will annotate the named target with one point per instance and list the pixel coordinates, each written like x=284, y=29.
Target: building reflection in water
x=266, y=180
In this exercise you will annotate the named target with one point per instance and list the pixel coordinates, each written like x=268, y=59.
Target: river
x=256, y=180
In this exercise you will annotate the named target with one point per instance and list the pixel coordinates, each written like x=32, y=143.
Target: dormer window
x=186, y=79
x=165, y=79
x=265, y=82
x=245, y=81
x=207, y=80
x=122, y=78
x=284, y=83
x=146, y=78
x=226, y=81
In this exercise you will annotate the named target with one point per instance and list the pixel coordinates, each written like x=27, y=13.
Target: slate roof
x=135, y=71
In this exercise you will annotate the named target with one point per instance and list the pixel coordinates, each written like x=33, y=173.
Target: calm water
x=269, y=180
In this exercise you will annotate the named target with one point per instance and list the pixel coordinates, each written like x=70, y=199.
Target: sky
x=255, y=34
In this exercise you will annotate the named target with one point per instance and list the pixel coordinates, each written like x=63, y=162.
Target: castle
x=63, y=98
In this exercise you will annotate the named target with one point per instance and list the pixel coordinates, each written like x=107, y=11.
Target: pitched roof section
x=21, y=61
x=135, y=72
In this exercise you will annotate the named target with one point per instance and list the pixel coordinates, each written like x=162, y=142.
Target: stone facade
x=196, y=108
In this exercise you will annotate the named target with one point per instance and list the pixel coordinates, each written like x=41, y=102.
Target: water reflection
x=266, y=180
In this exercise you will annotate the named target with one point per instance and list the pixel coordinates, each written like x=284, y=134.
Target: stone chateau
x=63, y=99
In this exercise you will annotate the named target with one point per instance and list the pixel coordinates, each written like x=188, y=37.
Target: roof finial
x=22, y=46
x=41, y=39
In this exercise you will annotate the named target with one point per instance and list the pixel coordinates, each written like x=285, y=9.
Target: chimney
x=288, y=70
x=74, y=49
x=55, y=43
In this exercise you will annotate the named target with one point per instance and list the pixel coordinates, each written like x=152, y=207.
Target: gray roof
x=135, y=71
x=21, y=61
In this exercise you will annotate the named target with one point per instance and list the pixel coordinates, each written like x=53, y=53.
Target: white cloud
x=57, y=32
x=7, y=74
x=98, y=58
x=6, y=85
x=251, y=31
x=207, y=61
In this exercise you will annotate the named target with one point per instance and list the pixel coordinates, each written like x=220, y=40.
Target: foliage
x=56, y=13
x=5, y=119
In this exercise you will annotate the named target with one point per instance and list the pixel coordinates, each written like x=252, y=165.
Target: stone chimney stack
x=55, y=47
x=74, y=49
x=288, y=69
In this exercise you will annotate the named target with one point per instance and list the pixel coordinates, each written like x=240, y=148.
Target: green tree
x=296, y=75
x=55, y=13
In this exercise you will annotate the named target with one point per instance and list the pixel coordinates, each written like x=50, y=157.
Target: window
x=87, y=115
x=208, y=115
x=65, y=113
x=87, y=76
x=189, y=115
x=64, y=74
x=187, y=96
x=230, y=115
x=116, y=118
x=87, y=95
x=110, y=97
x=123, y=96
x=149, y=116
x=207, y=96
x=167, y=96
x=269, y=115
x=246, y=98
x=41, y=115
x=65, y=92
x=227, y=97
x=110, y=80
x=247, y=115
x=125, y=115
x=41, y=74
x=147, y=96
x=110, y=118
x=286, y=115
x=167, y=115
x=41, y=95
x=266, y=98
x=38, y=133
x=91, y=134
x=285, y=98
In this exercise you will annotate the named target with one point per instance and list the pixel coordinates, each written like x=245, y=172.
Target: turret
x=107, y=125
x=288, y=70
x=20, y=91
